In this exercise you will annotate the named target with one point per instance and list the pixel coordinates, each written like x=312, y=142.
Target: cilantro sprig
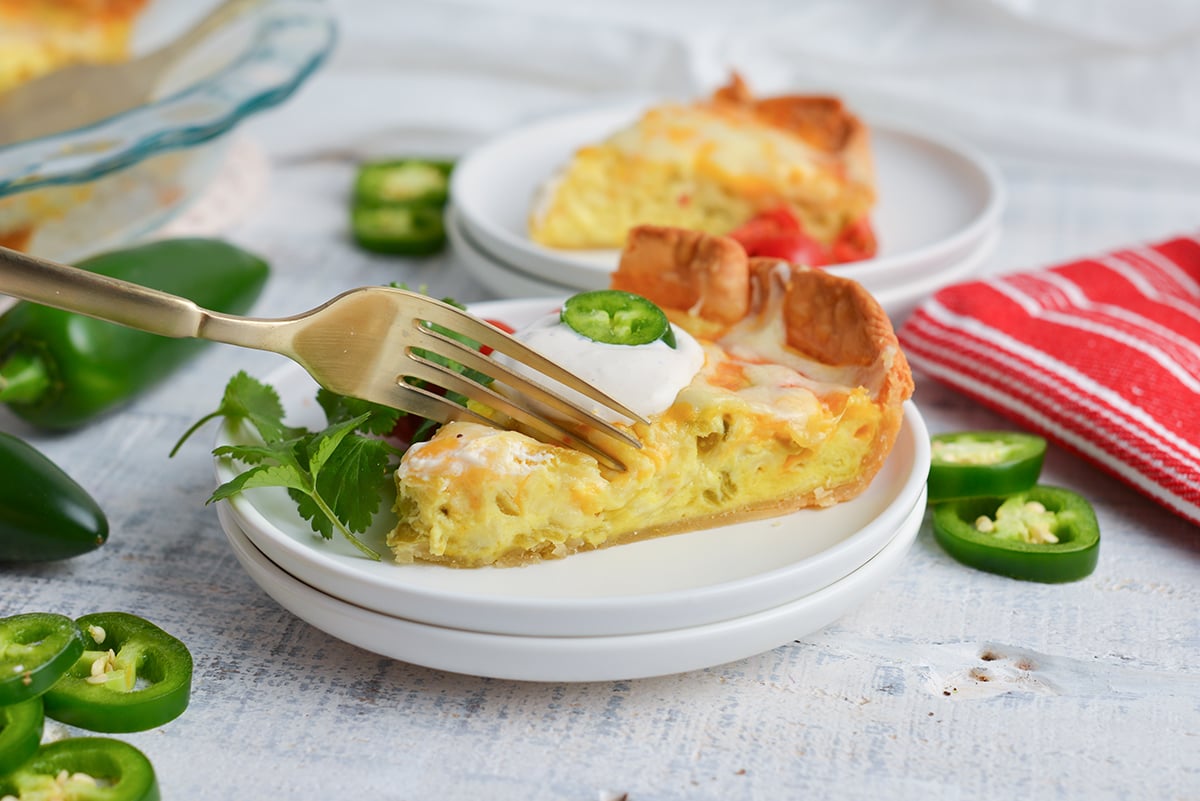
x=337, y=476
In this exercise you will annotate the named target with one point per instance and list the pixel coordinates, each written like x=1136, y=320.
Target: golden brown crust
x=833, y=319
x=829, y=318
x=686, y=270
x=822, y=121
x=837, y=321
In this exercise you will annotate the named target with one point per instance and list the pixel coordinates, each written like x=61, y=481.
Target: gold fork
x=370, y=343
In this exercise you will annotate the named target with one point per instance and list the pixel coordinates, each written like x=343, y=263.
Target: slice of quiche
x=796, y=403
x=711, y=166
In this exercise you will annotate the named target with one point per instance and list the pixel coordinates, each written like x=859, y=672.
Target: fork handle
x=71, y=289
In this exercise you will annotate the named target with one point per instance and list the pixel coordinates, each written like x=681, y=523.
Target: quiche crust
x=797, y=405
x=710, y=166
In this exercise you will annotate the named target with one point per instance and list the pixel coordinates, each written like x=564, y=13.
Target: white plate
x=937, y=199
x=686, y=579
x=665, y=583
x=900, y=301
x=508, y=281
x=562, y=659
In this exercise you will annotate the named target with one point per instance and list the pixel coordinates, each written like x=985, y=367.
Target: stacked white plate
x=662, y=606
x=937, y=218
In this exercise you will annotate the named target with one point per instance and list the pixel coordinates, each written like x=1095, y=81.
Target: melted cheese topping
x=762, y=337
x=730, y=147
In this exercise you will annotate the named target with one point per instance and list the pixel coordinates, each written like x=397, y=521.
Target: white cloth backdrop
x=1099, y=84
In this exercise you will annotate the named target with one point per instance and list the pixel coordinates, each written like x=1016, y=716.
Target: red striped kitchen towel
x=1101, y=356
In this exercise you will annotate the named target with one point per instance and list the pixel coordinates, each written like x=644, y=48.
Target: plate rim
x=585, y=658
x=569, y=616
x=898, y=301
x=497, y=240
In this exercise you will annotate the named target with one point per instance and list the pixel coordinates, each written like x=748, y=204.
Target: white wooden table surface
x=948, y=683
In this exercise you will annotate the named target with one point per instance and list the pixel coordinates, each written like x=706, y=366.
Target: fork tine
x=464, y=323
x=470, y=357
x=430, y=405
x=444, y=409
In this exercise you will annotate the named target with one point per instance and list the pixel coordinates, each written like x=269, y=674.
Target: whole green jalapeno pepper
x=60, y=370
x=44, y=514
x=615, y=317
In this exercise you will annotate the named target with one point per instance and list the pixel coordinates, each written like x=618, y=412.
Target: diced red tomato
x=792, y=248
x=772, y=222
x=407, y=424
x=503, y=326
x=778, y=234
x=855, y=243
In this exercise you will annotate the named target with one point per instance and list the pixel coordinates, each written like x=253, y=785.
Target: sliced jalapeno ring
x=1045, y=534
x=969, y=464
x=413, y=230
x=617, y=318
x=93, y=768
x=36, y=650
x=133, y=676
x=403, y=181
x=20, y=732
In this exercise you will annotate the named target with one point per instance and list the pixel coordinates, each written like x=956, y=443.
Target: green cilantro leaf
x=332, y=456
x=337, y=408
x=358, y=456
x=278, y=475
x=337, y=476
x=248, y=400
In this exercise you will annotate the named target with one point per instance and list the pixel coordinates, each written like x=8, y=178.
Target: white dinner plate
x=509, y=281
x=665, y=583
x=900, y=301
x=937, y=199
x=504, y=279
x=569, y=659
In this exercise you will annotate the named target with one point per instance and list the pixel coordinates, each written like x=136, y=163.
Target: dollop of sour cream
x=646, y=378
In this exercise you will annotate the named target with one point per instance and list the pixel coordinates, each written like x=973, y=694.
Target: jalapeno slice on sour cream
x=617, y=318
